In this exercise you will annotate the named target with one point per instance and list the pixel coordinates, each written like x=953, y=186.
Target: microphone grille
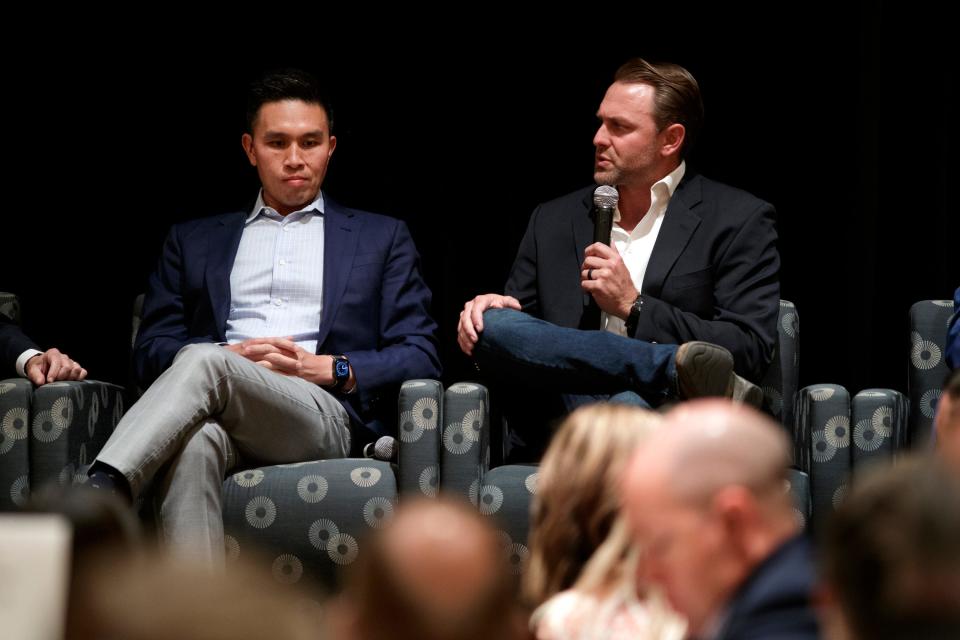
x=385, y=447
x=605, y=196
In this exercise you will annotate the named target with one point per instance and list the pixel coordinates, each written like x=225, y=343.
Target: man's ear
x=247, y=142
x=671, y=139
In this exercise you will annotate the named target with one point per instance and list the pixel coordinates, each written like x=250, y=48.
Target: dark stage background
x=843, y=117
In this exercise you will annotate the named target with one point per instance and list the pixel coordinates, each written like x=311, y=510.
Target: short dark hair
x=285, y=84
x=676, y=95
x=892, y=552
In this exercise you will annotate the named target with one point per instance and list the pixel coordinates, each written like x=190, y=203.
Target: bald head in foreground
x=437, y=572
x=708, y=505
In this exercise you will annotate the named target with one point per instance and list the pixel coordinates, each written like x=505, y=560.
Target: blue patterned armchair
x=927, y=367
x=311, y=518
x=836, y=436
x=503, y=493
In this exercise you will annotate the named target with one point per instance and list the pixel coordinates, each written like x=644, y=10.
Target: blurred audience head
x=158, y=597
x=578, y=494
x=891, y=555
x=100, y=520
x=437, y=571
x=707, y=502
x=122, y=588
x=947, y=422
x=105, y=531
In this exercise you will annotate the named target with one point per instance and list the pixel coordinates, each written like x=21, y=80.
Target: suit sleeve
x=407, y=341
x=953, y=334
x=13, y=342
x=746, y=300
x=164, y=329
x=522, y=282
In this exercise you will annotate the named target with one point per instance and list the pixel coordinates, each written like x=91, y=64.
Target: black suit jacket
x=713, y=273
x=13, y=342
x=776, y=600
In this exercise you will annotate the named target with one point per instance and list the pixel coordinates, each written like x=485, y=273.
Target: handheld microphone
x=385, y=448
x=604, y=202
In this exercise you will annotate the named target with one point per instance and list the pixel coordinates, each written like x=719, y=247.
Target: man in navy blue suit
x=273, y=335
x=708, y=504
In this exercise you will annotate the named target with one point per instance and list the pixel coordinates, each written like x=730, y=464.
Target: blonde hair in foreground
x=578, y=493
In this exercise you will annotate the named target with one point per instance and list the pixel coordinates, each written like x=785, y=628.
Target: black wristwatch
x=631, y=324
x=341, y=371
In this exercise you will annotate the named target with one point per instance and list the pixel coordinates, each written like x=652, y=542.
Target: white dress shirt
x=635, y=247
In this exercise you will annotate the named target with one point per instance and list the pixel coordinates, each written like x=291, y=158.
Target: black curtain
x=842, y=117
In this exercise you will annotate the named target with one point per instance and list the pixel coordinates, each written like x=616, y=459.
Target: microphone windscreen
x=606, y=196
x=385, y=448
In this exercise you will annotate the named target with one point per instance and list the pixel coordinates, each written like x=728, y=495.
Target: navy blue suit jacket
x=713, y=274
x=776, y=601
x=375, y=304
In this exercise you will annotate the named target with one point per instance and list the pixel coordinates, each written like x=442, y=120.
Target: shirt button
x=285, y=229
x=277, y=302
x=283, y=262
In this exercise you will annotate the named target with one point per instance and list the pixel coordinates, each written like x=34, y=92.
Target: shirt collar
x=260, y=207
x=672, y=179
x=668, y=182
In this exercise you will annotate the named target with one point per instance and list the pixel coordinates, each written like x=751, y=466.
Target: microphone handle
x=602, y=224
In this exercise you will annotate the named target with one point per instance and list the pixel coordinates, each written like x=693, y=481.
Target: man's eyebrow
x=281, y=134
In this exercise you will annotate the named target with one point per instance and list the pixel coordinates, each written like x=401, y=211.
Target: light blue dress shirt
x=276, y=284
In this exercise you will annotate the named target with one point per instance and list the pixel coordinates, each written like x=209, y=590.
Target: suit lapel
x=341, y=235
x=679, y=223
x=222, y=244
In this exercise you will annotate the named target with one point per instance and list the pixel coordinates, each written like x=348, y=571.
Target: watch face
x=343, y=369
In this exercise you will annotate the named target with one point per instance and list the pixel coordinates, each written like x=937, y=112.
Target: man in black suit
x=707, y=503
x=686, y=293
x=20, y=356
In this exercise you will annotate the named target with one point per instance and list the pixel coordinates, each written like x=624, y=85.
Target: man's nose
x=293, y=158
x=600, y=138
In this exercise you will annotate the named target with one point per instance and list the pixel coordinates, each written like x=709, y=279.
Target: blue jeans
x=582, y=365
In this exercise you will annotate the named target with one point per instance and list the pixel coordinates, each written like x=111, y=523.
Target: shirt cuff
x=22, y=361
